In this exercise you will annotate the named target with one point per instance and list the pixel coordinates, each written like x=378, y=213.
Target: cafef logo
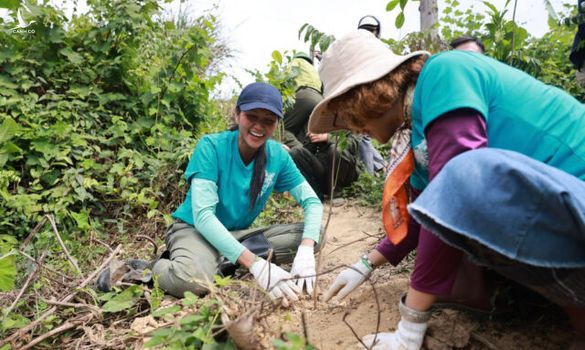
x=22, y=23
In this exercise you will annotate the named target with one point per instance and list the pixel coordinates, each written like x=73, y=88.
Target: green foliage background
x=99, y=113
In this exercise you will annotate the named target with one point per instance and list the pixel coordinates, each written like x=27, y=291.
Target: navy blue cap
x=260, y=95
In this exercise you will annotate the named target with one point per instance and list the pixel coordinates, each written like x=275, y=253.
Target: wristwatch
x=366, y=260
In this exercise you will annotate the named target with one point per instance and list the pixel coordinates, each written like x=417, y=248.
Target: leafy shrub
x=100, y=113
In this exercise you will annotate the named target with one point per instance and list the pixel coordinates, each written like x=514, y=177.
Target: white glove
x=263, y=272
x=304, y=267
x=348, y=280
x=408, y=336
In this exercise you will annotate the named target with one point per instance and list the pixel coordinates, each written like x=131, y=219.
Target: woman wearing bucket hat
x=497, y=157
x=231, y=176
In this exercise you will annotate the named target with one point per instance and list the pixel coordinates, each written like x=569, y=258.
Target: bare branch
x=33, y=233
x=44, y=266
x=71, y=260
x=19, y=333
x=155, y=251
x=26, y=283
x=66, y=326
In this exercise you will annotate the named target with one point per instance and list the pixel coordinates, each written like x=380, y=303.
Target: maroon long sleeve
x=449, y=135
x=437, y=263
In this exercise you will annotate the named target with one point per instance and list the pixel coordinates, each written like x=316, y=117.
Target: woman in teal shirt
x=496, y=158
x=231, y=176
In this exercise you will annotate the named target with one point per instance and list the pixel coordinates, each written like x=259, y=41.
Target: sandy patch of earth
x=354, y=230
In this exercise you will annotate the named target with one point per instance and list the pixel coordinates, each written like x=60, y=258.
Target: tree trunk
x=429, y=17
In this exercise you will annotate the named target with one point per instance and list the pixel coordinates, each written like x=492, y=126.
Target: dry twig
x=155, y=251
x=67, y=325
x=484, y=341
x=75, y=305
x=27, y=282
x=20, y=332
x=33, y=233
x=329, y=214
x=346, y=244
x=69, y=257
x=46, y=267
x=102, y=243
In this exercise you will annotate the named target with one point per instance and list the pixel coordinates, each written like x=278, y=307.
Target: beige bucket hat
x=357, y=58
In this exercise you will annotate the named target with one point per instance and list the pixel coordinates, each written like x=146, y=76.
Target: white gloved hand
x=304, y=267
x=265, y=272
x=348, y=280
x=408, y=336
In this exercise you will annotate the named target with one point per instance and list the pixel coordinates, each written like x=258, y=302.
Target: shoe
x=129, y=271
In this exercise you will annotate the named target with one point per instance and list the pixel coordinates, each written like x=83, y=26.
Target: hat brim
x=322, y=120
x=260, y=105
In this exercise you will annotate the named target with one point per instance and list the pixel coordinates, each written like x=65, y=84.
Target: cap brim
x=323, y=120
x=260, y=105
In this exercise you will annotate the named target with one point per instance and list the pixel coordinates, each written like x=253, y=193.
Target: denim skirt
x=518, y=216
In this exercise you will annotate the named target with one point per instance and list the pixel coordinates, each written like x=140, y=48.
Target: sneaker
x=129, y=271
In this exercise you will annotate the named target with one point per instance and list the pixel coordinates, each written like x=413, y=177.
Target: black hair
x=376, y=29
x=259, y=168
x=465, y=39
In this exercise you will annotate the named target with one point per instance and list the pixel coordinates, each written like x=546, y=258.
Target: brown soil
x=354, y=230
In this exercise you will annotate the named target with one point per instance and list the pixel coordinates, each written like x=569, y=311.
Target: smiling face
x=256, y=126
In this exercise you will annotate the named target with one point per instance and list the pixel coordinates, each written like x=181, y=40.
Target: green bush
x=99, y=114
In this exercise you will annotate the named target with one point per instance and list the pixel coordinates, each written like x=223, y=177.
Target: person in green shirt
x=314, y=153
x=231, y=175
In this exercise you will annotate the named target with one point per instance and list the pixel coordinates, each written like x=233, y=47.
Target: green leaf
x=9, y=4
x=167, y=310
x=82, y=219
x=219, y=346
x=72, y=56
x=191, y=320
x=400, y=20
x=125, y=300
x=13, y=321
x=8, y=129
x=277, y=56
x=403, y=4
x=392, y=5
x=7, y=272
x=303, y=28
x=222, y=281
x=7, y=242
x=189, y=299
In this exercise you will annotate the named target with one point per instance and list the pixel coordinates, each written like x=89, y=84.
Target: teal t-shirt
x=521, y=113
x=216, y=158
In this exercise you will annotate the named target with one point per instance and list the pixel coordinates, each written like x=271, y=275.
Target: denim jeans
x=514, y=214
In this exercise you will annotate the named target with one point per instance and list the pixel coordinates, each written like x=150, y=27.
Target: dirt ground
x=354, y=230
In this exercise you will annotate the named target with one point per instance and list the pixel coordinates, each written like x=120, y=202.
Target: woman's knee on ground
x=180, y=274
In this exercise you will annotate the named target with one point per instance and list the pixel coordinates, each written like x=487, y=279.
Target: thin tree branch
x=154, y=253
x=346, y=244
x=329, y=214
x=20, y=332
x=102, y=243
x=45, y=266
x=71, y=260
x=26, y=283
x=33, y=233
x=66, y=326
x=514, y=30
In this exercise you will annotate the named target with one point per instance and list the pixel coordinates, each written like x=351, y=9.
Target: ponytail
x=258, y=175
